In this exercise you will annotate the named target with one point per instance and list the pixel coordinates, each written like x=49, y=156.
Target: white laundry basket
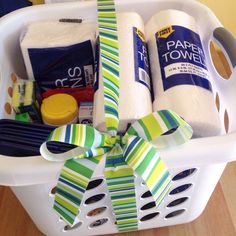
x=196, y=166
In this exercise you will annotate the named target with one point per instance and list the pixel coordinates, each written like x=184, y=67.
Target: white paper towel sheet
x=194, y=103
x=54, y=34
x=135, y=98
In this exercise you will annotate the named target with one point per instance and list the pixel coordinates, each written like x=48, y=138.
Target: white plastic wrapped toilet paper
x=135, y=98
x=180, y=78
x=59, y=54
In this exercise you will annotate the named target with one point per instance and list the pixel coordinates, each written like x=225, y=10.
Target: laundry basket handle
x=228, y=42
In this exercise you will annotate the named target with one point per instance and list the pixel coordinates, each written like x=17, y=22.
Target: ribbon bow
x=134, y=152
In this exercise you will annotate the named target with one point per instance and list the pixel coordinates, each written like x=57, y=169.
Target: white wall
x=225, y=10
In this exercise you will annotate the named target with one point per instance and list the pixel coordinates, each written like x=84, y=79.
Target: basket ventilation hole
x=146, y=194
x=220, y=62
x=217, y=101
x=13, y=77
x=10, y=91
x=53, y=190
x=148, y=206
x=97, y=211
x=177, y=202
x=98, y=223
x=8, y=108
x=175, y=213
x=170, y=131
x=184, y=174
x=94, y=183
x=68, y=228
x=226, y=121
x=180, y=189
x=149, y=216
x=95, y=198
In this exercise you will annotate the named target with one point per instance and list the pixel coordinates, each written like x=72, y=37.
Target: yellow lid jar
x=59, y=109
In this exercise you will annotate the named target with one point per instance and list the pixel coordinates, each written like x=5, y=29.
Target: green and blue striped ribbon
x=120, y=181
x=109, y=51
x=122, y=193
x=134, y=152
x=125, y=155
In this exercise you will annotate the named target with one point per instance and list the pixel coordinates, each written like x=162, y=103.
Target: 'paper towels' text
x=182, y=59
x=184, y=49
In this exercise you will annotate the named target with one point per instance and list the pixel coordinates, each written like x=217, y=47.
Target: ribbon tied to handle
x=136, y=151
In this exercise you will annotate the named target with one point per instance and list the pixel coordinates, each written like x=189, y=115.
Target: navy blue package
x=59, y=54
x=7, y=6
x=65, y=67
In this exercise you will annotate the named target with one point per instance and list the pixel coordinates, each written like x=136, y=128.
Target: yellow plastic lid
x=59, y=109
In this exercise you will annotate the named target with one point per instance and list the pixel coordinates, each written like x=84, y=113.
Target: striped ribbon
x=133, y=152
x=124, y=155
x=109, y=51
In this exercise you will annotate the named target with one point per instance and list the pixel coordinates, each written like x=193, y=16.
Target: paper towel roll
x=58, y=38
x=180, y=78
x=135, y=98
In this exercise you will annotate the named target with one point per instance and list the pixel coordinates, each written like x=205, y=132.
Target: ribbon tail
x=78, y=168
x=121, y=187
x=163, y=128
x=143, y=158
x=72, y=184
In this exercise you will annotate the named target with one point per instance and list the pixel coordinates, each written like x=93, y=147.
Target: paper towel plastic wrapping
x=59, y=54
x=180, y=77
x=135, y=98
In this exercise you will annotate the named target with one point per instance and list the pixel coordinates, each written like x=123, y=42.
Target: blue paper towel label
x=141, y=62
x=97, y=61
x=63, y=67
x=182, y=59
